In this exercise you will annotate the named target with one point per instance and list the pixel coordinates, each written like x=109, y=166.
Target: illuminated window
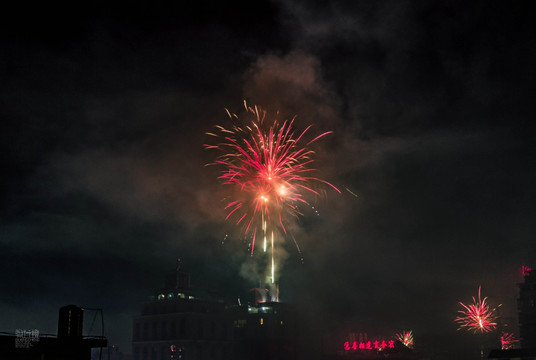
x=261, y=321
x=281, y=322
x=191, y=297
x=181, y=295
x=170, y=295
x=252, y=310
x=161, y=296
x=239, y=323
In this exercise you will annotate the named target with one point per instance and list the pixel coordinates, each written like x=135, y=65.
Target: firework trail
x=477, y=316
x=406, y=338
x=269, y=163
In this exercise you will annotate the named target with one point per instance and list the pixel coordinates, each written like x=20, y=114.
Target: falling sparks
x=406, y=338
x=477, y=316
x=269, y=163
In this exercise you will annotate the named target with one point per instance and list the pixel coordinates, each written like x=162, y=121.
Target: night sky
x=104, y=110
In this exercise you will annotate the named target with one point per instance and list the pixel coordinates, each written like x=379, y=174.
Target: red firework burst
x=508, y=340
x=269, y=163
x=477, y=316
x=406, y=338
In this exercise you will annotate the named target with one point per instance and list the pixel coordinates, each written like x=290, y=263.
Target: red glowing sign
x=369, y=345
x=525, y=270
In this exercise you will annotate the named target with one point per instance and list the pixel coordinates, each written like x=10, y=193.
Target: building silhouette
x=178, y=323
x=70, y=342
x=526, y=306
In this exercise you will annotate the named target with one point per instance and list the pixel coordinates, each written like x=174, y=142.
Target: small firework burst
x=406, y=338
x=477, y=316
x=508, y=340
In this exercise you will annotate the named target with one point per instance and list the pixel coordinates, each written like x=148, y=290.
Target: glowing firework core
x=477, y=316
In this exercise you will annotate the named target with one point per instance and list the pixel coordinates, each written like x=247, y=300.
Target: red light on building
x=525, y=270
x=369, y=345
